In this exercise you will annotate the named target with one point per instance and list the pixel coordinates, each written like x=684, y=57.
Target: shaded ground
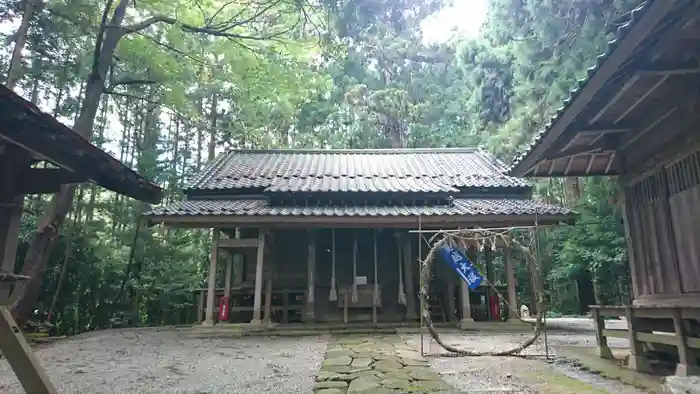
x=159, y=361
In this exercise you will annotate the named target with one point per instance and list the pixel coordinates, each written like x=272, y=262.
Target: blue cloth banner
x=462, y=265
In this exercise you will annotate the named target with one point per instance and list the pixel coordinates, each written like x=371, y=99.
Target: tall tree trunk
x=14, y=73
x=212, y=133
x=46, y=237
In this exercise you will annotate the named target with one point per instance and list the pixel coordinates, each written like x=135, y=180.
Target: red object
x=223, y=309
x=495, y=306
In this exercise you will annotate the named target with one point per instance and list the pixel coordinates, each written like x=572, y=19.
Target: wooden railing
x=668, y=326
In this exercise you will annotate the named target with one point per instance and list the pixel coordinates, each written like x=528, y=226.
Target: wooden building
x=39, y=155
x=323, y=235
x=636, y=116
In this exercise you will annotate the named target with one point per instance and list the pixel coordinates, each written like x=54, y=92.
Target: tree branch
x=128, y=81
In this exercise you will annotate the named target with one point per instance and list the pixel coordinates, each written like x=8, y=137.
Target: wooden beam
x=630, y=82
x=610, y=161
x=603, y=145
x=47, y=180
x=687, y=19
x=643, y=97
x=590, y=163
x=568, y=164
x=628, y=141
x=20, y=357
x=239, y=243
x=667, y=71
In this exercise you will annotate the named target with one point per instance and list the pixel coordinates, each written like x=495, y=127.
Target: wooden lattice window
x=646, y=191
x=684, y=174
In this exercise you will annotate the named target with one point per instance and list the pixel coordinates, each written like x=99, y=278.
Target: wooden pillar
x=488, y=262
x=601, y=340
x=200, y=308
x=311, y=277
x=628, y=243
x=227, y=279
x=13, y=162
x=268, y=298
x=238, y=265
x=467, y=318
x=409, y=262
x=211, y=288
x=20, y=357
x=268, y=285
x=687, y=362
x=375, y=290
x=257, y=301
x=510, y=282
x=451, y=300
x=637, y=360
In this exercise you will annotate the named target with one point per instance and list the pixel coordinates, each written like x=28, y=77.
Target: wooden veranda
x=29, y=137
x=635, y=116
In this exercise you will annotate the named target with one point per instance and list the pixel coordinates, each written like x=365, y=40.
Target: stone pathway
x=376, y=365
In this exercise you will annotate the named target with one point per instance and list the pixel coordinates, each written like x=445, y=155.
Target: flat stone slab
x=361, y=362
x=330, y=385
x=363, y=384
x=331, y=391
x=682, y=385
x=387, y=366
x=335, y=361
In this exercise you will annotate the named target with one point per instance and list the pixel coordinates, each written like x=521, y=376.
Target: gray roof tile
x=260, y=207
x=381, y=170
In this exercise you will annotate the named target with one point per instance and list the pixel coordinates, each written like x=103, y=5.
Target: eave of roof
x=24, y=125
x=254, y=210
x=649, y=11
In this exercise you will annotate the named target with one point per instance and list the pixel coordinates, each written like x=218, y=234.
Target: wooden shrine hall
x=636, y=117
x=39, y=155
x=323, y=235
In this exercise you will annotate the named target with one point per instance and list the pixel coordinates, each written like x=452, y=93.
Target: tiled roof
x=381, y=170
x=622, y=31
x=260, y=207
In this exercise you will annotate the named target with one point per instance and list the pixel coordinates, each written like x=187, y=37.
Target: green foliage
x=342, y=74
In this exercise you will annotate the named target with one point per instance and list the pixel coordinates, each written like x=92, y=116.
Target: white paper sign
x=361, y=280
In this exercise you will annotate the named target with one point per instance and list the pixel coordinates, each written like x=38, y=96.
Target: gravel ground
x=512, y=375
x=168, y=361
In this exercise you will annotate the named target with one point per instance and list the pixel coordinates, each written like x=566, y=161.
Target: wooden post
x=311, y=277
x=408, y=280
x=467, y=319
x=510, y=282
x=488, y=262
x=257, y=301
x=227, y=279
x=637, y=360
x=268, y=298
x=687, y=364
x=451, y=301
x=200, y=308
x=13, y=162
x=601, y=340
x=375, y=290
x=211, y=288
x=20, y=356
x=285, y=306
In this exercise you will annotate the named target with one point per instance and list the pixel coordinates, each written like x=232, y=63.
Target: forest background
x=166, y=85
